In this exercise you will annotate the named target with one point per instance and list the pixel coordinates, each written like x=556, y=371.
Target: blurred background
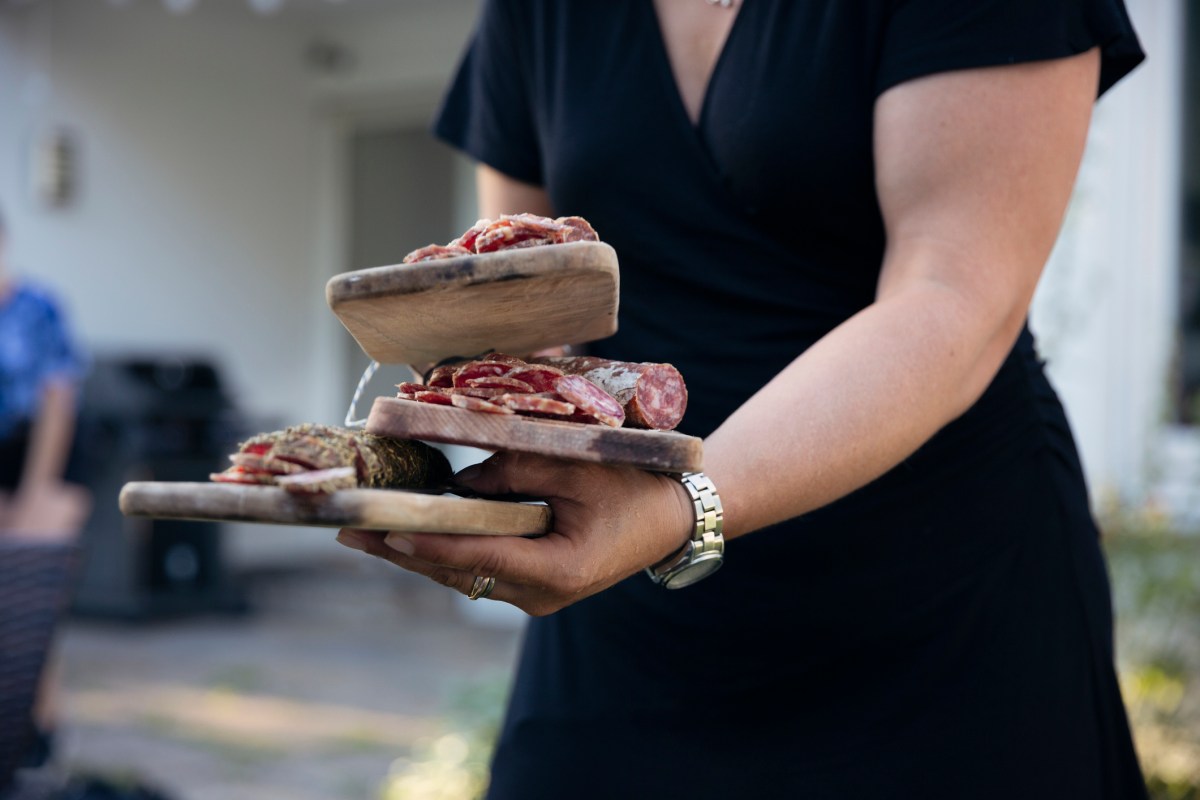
x=187, y=175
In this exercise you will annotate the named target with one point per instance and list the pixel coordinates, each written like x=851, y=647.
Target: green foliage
x=1156, y=593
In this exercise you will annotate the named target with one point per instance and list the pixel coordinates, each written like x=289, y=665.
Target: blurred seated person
x=40, y=371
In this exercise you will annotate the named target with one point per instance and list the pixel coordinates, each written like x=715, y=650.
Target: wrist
x=703, y=550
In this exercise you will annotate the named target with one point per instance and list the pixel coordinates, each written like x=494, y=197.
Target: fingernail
x=399, y=542
x=469, y=474
x=352, y=540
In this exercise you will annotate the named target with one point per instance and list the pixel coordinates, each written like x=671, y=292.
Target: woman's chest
x=783, y=128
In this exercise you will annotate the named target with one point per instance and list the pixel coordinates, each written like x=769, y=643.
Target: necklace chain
x=721, y=3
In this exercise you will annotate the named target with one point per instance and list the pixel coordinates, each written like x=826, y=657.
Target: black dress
x=944, y=632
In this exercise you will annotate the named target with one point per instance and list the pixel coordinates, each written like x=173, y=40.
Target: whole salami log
x=653, y=395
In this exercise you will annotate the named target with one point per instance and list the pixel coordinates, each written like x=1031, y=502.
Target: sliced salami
x=590, y=399
x=517, y=230
x=487, y=393
x=540, y=377
x=321, y=481
x=409, y=388
x=478, y=404
x=576, y=229
x=438, y=398
x=537, y=404
x=506, y=382
x=434, y=252
x=479, y=369
x=442, y=377
x=652, y=395
x=467, y=240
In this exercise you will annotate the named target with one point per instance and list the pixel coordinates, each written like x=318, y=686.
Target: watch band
x=703, y=553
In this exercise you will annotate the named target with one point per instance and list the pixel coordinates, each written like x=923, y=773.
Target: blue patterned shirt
x=35, y=347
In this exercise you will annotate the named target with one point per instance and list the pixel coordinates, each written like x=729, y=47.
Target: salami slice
x=590, y=399
x=467, y=240
x=652, y=395
x=478, y=404
x=442, y=377
x=321, y=481
x=506, y=382
x=434, y=252
x=517, y=230
x=536, y=404
x=540, y=377
x=435, y=397
x=486, y=392
x=479, y=369
x=409, y=388
x=576, y=229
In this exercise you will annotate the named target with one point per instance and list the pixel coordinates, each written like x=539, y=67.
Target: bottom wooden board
x=658, y=451
x=376, y=509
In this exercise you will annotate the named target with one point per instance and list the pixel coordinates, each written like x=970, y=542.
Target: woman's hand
x=609, y=523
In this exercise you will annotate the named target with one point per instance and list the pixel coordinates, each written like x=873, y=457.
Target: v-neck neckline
x=668, y=71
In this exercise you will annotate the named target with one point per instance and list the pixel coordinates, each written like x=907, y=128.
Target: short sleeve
x=61, y=358
x=488, y=111
x=928, y=36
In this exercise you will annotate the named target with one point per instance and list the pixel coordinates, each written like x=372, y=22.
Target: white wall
x=1105, y=309
x=211, y=178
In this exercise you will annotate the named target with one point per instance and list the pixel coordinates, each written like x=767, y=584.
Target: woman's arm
x=974, y=171
x=499, y=194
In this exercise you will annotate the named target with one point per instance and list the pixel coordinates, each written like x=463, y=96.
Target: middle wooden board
x=658, y=451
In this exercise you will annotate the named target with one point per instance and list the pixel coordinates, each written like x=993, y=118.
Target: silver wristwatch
x=703, y=553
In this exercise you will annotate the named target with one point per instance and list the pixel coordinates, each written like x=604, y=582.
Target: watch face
x=701, y=568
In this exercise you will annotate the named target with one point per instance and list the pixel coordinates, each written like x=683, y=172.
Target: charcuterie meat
x=542, y=404
x=590, y=399
x=577, y=389
x=433, y=252
x=478, y=404
x=508, y=232
x=316, y=459
x=652, y=395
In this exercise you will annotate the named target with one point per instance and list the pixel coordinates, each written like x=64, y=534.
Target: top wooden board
x=512, y=301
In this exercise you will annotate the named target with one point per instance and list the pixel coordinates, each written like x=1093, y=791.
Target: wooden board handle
x=375, y=509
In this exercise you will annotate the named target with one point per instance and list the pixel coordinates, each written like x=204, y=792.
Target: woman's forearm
x=854, y=405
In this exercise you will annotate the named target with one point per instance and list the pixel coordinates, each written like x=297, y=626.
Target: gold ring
x=481, y=588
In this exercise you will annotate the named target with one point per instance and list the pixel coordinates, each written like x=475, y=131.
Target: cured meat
x=520, y=230
x=478, y=404
x=597, y=390
x=506, y=382
x=539, y=377
x=652, y=395
x=590, y=399
x=313, y=458
x=434, y=252
x=509, y=231
x=478, y=369
x=442, y=377
x=435, y=396
x=576, y=229
x=537, y=404
x=467, y=240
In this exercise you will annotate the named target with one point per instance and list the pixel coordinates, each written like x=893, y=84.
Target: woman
x=831, y=217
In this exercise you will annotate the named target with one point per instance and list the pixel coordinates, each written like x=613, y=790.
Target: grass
x=1156, y=595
